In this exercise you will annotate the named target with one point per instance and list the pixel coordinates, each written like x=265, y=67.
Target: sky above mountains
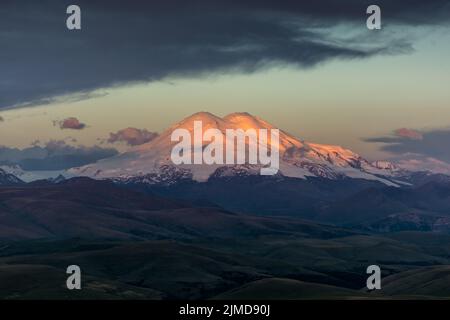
x=310, y=68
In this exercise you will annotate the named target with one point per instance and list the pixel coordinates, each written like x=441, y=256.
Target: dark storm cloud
x=434, y=143
x=53, y=155
x=131, y=41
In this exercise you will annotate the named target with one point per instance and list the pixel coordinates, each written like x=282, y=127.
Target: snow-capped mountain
x=386, y=165
x=28, y=176
x=151, y=162
x=8, y=178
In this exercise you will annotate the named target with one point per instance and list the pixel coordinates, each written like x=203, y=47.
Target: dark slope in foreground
x=420, y=282
x=131, y=244
x=234, y=268
x=288, y=289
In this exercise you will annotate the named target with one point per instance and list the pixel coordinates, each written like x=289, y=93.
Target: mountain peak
x=299, y=159
x=235, y=115
x=202, y=115
x=208, y=120
x=245, y=121
x=8, y=178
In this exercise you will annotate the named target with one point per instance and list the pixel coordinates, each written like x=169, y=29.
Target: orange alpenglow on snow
x=298, y=159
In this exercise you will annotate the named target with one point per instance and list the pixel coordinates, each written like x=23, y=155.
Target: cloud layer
x=130, y=41
x=53, y=155
x=417, y=162
x=132, y=136
x=429, y=147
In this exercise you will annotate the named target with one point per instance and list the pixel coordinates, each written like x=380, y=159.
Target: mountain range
x=324, y=183
x=151, y=162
